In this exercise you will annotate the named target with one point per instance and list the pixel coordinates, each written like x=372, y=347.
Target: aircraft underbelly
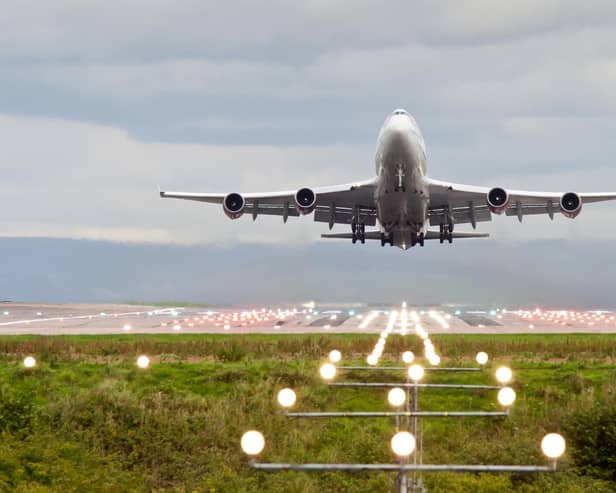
x=402, y=197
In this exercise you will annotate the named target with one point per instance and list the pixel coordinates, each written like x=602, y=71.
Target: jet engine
x=233, y=205
x=571, y=205
x=305, y=200
x=498, y=200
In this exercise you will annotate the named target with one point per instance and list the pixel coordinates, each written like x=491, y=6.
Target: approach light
x=434, y=359
x=408, y=357
x=327, y=371
x=335, y=356
x=553, y=446
x=396, y=397
x=143, y=361
x=416, y=373
x=127, y=327
x=506, y=396
x=482, y=358
x=287, y=398
x=403, y=444
x=29, y=362
x=372, y=360
x=252, y=443
x=504, y=375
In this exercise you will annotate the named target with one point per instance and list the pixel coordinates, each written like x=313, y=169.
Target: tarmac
x=314, y=318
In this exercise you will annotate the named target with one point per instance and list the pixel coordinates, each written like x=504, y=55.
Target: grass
x=86, y=419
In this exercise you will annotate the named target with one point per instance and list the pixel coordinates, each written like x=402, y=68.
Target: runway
x=313, y=318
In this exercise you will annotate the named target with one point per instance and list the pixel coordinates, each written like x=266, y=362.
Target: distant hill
x=548, y=273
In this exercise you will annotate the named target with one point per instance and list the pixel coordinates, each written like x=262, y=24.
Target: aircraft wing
x=334, y=204
x=457, y=203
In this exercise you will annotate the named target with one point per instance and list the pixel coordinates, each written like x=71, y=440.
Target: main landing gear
x=359, y=232
x=446, y=233
x=417, y=239
x=387, y=238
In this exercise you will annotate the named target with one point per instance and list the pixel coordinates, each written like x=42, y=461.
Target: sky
x=100, y=103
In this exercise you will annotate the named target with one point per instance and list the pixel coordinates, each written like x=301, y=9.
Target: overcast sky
x=102, y=101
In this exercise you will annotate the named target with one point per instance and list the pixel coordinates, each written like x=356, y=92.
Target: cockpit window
x=400, y=112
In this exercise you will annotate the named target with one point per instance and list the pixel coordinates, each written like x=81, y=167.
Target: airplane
x=401, y=198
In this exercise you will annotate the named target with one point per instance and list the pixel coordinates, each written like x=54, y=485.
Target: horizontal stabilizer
x=431, y=235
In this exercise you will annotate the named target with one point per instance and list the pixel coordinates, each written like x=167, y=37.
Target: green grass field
x=86, y=419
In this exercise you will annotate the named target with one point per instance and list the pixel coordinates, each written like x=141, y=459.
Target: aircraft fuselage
x=401, y=196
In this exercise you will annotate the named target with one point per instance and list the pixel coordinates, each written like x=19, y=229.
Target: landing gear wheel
x=383, y=241
x=421, y=239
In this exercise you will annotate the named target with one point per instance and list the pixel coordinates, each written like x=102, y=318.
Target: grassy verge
x=86, y=419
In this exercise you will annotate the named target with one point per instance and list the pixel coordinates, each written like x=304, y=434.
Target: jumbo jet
x=401, y=198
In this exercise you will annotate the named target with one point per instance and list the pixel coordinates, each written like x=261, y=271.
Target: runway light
x=328, y=371
x=408, y=357
x=177, y=327
x=434, y=360
x=127, y=327
x=482, y=358
x=504, y=375
x=553, y=446
x=252, y=443
x=335, y=356
x=416, y=373
x=403, y=444
x=287, y=398
x=143, y=361
x=506, y=396
x=372, y=360
x=396, y=397
x=29, y=362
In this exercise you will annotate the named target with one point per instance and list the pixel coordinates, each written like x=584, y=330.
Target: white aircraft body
x=401, y=198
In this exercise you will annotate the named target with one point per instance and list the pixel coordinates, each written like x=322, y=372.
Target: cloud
x=103, y=102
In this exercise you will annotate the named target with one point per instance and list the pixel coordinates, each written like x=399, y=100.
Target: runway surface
x=75, y=319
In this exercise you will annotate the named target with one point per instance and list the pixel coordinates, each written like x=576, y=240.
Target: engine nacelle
x=305, y=200
x=571, y=205
x=498, y=200
x=233, y=205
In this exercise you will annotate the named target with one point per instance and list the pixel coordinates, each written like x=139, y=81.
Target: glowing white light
x=177, y=327
x=434, y=360
x=506, y=396
x=403, y=444
x=372, y=360
x=29, y=362
x=553, y=446
x=396, y=397
x=287, y=398
x=416, y=373
x=127, y=327
x=408, y=357
x=327, y=371
x=504, y=375
x=143, y=361
x=252, y=443
x=482, y=358
x=368, y=319
x=335, y=356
